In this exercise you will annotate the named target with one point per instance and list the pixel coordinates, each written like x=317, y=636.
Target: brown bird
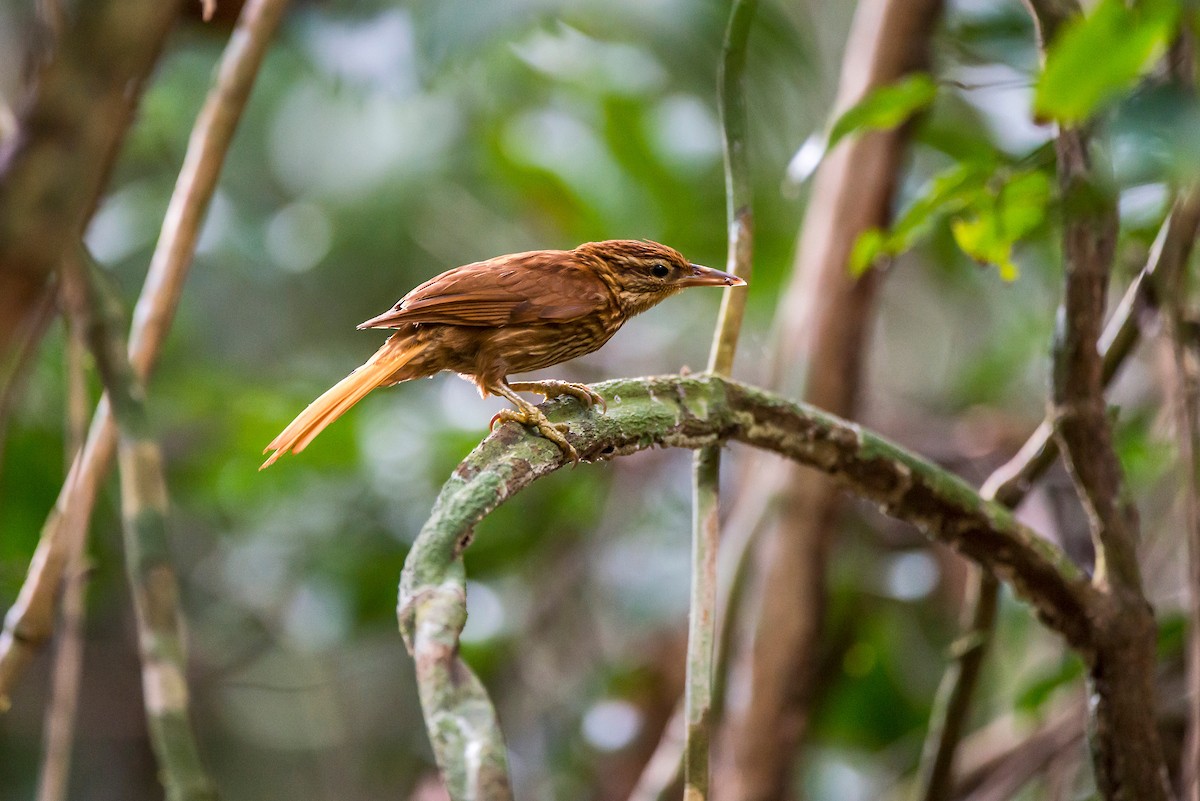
x=510, y=314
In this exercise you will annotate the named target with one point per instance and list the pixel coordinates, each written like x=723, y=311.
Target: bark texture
x=53, y=170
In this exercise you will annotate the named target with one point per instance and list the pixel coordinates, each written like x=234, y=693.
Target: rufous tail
x=378, y=371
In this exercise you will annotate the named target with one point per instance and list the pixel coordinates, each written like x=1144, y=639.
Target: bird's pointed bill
x=707, y=276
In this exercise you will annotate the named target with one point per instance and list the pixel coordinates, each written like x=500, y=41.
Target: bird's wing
x=542, y=286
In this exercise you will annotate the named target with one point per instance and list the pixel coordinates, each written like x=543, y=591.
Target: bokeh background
x=386, y=142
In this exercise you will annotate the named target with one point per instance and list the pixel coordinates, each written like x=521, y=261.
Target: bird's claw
x=547, y=429
x=552, y=389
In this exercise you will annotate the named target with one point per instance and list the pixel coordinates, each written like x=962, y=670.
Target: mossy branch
x=144, y=510
x=690, y=412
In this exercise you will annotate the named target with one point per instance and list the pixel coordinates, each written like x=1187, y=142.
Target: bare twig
x=144, y=503
x=702, y=623
x=664, y=770
x=30, y=619
x=738, y=195
x=706, y=526
x=1188, y=403
x=948, y=718
x=68, y=657
x=690, y=413
x=15, y=373
x=1187, y=367
x=1009, y=485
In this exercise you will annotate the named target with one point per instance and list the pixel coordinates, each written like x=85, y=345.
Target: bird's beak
x=707, y=276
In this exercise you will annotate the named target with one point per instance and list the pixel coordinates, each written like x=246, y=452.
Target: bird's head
x=645, y=273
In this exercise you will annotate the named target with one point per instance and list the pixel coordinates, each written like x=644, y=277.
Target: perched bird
x=506, y=315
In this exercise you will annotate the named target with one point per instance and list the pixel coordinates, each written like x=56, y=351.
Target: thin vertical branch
x=706, y=528
x=68, y=657
x=152, y=578
x=1186, y=351
x=1127, y=752
x=12, y=382
x=1187, y=368
x=731, y=96
x=952, y=703
x=30, y=619
x=1011, y=482
x=702, y=623
x=823, y=325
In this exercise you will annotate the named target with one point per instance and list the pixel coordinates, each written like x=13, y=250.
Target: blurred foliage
x=387, y=142
x=1131, y=38
x=885, y=107
x=989, y=208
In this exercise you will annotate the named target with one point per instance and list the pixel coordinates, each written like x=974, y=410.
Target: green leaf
x=988, y=230
x=885, y=107
x=990, y=209
x=946, y=193
x=1098, y=56
x=870, y=245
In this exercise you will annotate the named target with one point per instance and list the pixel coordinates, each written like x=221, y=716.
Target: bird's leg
x=528, y=414
x=552, y=389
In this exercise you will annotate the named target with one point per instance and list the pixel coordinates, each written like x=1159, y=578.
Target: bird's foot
x=534, y=417
x=552, y=389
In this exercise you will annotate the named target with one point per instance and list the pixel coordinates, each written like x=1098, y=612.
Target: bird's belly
x=525, y=348
x=490, y=354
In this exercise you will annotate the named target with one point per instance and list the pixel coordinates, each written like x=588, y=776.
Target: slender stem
x=706, y=527
x=948, y=718
x=144, y=511
x=29, y=621
x=68, y=658
x=1188, y=402
x=15, y=373
x=664, y=769
x=732, y=100
x=701, y=624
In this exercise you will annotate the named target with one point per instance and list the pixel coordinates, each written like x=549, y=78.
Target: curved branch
x=690, y=412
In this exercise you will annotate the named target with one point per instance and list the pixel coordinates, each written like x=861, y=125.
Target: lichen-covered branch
x=694, y=412
x=144, y=513
x=29, y=621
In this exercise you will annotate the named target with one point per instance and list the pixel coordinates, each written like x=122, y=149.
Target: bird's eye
x=659, y=270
